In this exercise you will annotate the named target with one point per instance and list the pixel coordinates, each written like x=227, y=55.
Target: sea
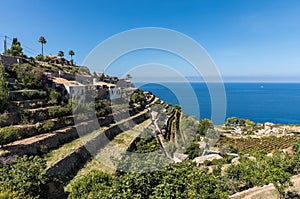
x=260, y=102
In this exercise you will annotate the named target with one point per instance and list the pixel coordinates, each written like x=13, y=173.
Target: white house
x=107, y=89
x=73, y=88
x=201, y=159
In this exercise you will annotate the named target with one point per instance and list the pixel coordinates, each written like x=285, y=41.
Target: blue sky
x=248, y=40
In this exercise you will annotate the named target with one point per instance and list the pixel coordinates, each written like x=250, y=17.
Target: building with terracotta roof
x=74, y=88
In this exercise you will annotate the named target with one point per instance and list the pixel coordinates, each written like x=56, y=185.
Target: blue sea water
x=260, y=102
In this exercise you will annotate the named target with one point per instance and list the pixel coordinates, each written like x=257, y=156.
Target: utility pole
x=5, y=45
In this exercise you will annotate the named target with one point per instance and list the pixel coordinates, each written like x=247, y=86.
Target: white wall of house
x=114, y=93
x=78, y=91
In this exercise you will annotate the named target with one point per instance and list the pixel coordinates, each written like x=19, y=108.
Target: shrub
x=25, y=117
x=90, y=185
x=33, y=94
x=207, y=163
x=28, y=75
x=47, y=126
x=28, y=94
x=3, y=117
x=42, y=115
x=4, y=92
x=57, y=111
x=7, y=135
x=54, y=97
x=26, y=178
x=39, y=57
x=138, y=97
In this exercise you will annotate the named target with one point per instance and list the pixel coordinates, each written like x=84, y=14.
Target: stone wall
x=7, y=119
x=27, y=104
x=72, y=161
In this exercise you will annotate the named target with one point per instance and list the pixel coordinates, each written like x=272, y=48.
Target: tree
x=138, y=97
x=28, y=76
x=4, y=92
x=15, y=49
x=203, y=126
x=128, y=76
x=71, y=53
x=177, y=107
x=61, y=54
x=26, y=178
x=43, y=41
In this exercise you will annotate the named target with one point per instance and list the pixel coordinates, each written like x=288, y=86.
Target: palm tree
x=71, y=53
x=43, y=41
x=128, y=76
x=60, y=53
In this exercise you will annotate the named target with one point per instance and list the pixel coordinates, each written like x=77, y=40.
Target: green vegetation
x=59, y=111
x=47, y=126
x=173, y=181
x=153, y=177
x=61, y=54
x=71, y=53
x=28, y=94
x=26, y=178
x=102, y=107
x=7, y=135
x=203, y=126
x=91, y=184
x=4, y=92
x=28, y=75
x=138, y=97
x=296, y=146
x=184, y=180
x=43, y=41
x=205, y=130
x=253, y=145
x=247, y=126
x=54, y=97
x=15, y=49
x=147, y=142
x=3, y=117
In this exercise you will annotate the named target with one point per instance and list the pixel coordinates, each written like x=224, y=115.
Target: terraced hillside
x=173, y=127
x=38, y=119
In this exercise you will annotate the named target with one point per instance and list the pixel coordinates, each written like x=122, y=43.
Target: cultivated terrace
x=54, y=114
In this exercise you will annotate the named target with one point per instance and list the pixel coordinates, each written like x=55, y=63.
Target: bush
x=25, y=117
x=102, y=108
x=47, y=126
x=26, y=178
x=28, y=76
x=138, y=97
x=33, y=94
x=39, y=57
x=7, y=135
x=57, y=111
x=28, y=94
x=54, y=97
x=90, y=185
x=4, y=92
x=3, y=117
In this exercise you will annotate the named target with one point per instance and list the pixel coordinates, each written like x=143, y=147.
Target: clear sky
x=248, y=40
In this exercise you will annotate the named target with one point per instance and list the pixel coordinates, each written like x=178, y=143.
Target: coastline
x=257, y=101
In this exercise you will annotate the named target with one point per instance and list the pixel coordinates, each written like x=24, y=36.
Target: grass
x=57, y=154
x=102, y=161
x=116, y=147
